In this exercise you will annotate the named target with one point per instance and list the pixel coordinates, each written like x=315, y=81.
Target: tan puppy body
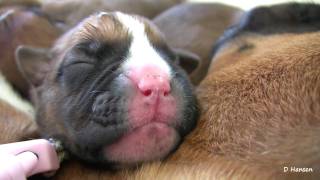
x=274, y=92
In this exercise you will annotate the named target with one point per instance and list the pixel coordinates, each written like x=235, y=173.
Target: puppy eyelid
x=77, y=62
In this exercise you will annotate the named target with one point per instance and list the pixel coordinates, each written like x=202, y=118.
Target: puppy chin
x=150, y=142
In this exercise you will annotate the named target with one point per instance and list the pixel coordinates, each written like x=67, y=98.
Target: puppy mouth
x=151, y=141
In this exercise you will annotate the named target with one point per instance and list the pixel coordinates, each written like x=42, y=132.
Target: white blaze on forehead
x=141, y=52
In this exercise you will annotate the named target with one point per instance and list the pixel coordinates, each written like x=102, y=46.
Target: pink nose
x=151, y=80
x=154, y=83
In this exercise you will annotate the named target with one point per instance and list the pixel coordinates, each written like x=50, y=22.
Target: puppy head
x=110, y=91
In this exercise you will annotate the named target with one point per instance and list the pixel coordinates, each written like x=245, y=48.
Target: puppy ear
x=33, y=63
x=188, y=60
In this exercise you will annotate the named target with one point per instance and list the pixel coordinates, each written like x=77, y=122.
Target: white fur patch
x=141, y=52
x=8, y=95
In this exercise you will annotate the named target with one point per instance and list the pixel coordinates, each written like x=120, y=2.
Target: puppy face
x=113, y=93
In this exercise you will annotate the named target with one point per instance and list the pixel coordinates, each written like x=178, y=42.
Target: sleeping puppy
x=260, y=105
x=110, y=91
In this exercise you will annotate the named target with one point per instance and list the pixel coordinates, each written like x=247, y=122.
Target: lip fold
x=152, y=141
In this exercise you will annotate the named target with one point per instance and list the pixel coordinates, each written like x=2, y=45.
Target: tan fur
x=264, y=108
x=260, y=113
x=195, y=27
x=273, y=88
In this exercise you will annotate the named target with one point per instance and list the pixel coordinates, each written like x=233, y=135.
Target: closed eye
x=74, y=65
x=78, y=63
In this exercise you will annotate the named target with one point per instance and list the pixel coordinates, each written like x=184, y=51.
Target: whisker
x=94, y=92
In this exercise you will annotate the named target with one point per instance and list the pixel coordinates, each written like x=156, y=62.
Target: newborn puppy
x=110, y=91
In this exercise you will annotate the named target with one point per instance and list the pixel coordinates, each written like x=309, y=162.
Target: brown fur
x=16, y=116
x=20, y=2
x=195, y=27
x=99, y=28
x=111, y=31
x=22, y=26
x=14, y=124
x=260, y=113
x=275, y=88
x=72, y=11
x=103, y=28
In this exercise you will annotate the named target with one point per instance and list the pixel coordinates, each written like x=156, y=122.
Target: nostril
x=147, y=92
x=166, y=93
x=153, y=85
